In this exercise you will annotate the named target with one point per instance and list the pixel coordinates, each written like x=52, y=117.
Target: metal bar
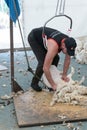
x=60, y=7
x=62, y=15
x=11, y=54
x=63, y=7
x=57, y=7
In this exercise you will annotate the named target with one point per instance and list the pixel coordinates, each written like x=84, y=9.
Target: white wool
x=79, y=44
x=81, y=51
x=85, y=46
x=81, y=57
x=66, y=92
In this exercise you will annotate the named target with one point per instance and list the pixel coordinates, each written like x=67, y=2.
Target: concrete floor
x=8, y=119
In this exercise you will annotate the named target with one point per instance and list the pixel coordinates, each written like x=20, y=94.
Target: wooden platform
x=33, y=108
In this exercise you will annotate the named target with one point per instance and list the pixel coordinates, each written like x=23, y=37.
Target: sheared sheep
x=67, y=92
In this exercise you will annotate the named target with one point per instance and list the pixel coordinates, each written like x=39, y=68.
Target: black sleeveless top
x=50, y=33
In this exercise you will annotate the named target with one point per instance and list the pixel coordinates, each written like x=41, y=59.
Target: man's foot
x=36, y=87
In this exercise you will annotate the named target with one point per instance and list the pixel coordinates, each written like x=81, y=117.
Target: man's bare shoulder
x=52, y=45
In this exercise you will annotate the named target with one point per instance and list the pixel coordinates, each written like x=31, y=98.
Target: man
x=47, y=53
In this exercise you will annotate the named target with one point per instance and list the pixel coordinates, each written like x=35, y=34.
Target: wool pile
x=72, y=92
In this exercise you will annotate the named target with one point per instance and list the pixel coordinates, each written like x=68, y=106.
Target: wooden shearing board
x=33, y=108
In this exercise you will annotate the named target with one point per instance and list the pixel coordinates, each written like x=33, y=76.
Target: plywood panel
x=33, y=108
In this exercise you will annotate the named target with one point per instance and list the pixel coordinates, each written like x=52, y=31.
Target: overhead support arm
x=62, y=15
x=59, y=13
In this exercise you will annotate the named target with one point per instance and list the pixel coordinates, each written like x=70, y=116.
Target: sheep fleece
x=72, y=92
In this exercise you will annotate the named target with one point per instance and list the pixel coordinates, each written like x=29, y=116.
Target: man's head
x=70, y=45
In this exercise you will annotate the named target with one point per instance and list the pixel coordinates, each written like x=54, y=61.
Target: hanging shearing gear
x=59, y=13
x=62, y=15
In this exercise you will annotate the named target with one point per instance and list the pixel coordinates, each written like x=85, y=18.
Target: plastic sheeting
x=36, y=13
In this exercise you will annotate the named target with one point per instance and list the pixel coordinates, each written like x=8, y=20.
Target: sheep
x=66, y=92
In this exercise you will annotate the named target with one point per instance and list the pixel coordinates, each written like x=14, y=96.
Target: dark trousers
x=40, y=53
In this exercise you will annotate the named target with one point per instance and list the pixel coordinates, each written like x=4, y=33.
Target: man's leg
x=40, y=53
x=36, y=79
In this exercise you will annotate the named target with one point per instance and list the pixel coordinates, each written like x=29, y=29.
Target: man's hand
x=54, y=87
x=65, y=78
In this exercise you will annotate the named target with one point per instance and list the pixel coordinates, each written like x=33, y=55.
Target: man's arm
x=66, y=67
x=52, y=51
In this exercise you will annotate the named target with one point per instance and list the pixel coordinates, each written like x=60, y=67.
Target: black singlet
x=50, y=33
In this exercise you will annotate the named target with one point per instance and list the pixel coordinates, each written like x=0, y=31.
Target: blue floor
x=8, y=119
